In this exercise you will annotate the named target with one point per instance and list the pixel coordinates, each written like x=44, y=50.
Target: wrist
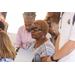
x=52, y=59
x=17, y=48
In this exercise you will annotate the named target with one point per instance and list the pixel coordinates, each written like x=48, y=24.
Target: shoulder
x=48, y=49
x=49, y=44
x=22, y=27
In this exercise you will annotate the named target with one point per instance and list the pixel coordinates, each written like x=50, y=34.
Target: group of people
x=33, y=37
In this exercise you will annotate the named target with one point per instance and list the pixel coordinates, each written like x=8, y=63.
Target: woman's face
x=36, y=31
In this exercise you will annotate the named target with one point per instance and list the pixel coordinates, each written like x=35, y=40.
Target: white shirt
x=67, y=32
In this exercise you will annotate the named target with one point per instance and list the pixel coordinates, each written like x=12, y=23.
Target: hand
x=49, y=59
x=17, y=50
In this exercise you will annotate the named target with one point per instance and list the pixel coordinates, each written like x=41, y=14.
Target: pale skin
x=65, y=50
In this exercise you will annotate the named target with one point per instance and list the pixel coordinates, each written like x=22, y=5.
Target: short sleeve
x=48, y=50
x=72, y=35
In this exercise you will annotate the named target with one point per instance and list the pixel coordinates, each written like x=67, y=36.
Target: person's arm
x=69, y=46
x=65, y=50
x=18, y=41
x=44, y=59
x=57, y=43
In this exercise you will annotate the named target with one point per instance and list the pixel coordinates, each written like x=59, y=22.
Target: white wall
x=15, y=20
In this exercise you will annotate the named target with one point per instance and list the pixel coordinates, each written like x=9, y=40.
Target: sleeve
x=18, y=41
x=47, y=50
x=72, y=35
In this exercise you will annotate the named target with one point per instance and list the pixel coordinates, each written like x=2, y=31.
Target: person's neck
x=39, y=42
x=51, y=20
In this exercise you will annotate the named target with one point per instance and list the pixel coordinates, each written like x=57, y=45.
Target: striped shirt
x=46, y=49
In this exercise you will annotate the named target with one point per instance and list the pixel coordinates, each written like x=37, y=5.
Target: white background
x=15, y=20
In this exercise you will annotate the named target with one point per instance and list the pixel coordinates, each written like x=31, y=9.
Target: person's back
x=7, y=52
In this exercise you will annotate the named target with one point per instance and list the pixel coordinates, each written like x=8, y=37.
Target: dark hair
x=2, y=25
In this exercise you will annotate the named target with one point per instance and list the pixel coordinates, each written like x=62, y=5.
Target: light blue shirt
x=6, y=60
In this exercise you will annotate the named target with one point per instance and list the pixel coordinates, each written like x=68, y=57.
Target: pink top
x=23, y=37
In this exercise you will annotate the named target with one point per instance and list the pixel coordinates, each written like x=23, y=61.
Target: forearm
x=57, y=44
x=65, y=50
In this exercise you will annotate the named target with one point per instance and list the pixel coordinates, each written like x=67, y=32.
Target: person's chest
x=66, y=28
x=66, y=22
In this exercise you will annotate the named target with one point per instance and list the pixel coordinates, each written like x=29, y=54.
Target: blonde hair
x=6, y=48
x=43, y=24
x=29, y=15
x=56, y=16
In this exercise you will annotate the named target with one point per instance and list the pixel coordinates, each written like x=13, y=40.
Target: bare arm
x=65, y=50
